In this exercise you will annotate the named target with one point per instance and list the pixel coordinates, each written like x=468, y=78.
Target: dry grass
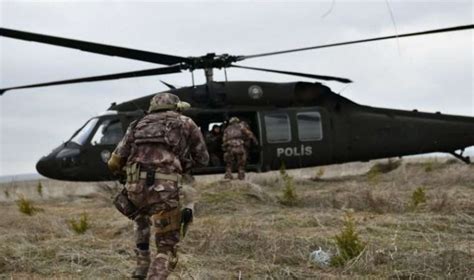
x=241, y=229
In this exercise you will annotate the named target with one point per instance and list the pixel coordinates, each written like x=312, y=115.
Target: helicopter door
x=108, y=133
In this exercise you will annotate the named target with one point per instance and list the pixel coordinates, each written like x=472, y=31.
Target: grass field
x=415, y=221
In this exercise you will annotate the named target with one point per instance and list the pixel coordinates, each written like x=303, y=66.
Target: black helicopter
x=301, y=124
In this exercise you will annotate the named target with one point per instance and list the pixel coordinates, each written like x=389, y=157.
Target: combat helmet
x=234, y=120
x=166, y=101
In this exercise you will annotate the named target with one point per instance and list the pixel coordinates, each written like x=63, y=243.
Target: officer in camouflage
x=236, y=139
x=155, y=152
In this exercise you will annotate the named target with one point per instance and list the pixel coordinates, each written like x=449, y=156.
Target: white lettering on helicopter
x=295, y=151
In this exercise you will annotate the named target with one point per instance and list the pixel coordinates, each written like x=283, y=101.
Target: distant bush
x=7, y=193
x=289, y=197
x=80, y=226
x=434, y=164
x=385, y=167
x=39, y=188
x=418, y=197
x=283, y=169
x=320, y=173
x=452, y=161
x=428, y=166
x=348, y=243
x=381, y=168
x=373, y=176
x=26, y=207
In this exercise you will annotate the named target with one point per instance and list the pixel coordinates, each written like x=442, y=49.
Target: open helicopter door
x=298, y=137
x=209, y=120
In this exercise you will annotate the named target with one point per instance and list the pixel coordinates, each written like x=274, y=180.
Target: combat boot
x=162, y=266
x=228, y=174
x=241, y=175
x=143, y=263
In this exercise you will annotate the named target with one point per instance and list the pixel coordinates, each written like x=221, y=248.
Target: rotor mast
x=208, y=63
x=209, y=73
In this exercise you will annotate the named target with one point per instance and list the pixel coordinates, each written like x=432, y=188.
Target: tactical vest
x=165, y=128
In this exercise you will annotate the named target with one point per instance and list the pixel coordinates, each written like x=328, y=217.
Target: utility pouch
x=125, y=206
x=133, y=173
x=166, y=221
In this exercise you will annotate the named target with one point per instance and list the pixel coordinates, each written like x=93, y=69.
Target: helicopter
x=300, y=124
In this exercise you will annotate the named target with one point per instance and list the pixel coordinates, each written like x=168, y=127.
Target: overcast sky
x=430, y=73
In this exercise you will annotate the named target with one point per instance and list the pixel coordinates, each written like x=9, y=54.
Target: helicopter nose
x=44, y=167
x=56, y=165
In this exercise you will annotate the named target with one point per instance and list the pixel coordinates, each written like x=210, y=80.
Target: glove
x=186, y=216
x=115, y=164
x=186, y=219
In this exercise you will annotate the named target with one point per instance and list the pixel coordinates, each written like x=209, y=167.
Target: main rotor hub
x=211, y=60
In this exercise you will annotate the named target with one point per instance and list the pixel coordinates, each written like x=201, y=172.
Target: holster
x=125, y=206
x=167, y=221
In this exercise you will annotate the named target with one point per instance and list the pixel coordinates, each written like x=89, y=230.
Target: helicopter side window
x=277, y=128
x=109, y=133
x=309, y=126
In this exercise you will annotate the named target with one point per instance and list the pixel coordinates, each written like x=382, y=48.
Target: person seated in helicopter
x=214, y=144
x=111, y=132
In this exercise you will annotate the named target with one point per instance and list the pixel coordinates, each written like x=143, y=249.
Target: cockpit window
x=110, y=132
x=80, y=137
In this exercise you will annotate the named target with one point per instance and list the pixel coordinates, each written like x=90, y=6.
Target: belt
x=161, y=176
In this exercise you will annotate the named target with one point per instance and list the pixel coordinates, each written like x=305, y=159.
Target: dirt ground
x=242, y=230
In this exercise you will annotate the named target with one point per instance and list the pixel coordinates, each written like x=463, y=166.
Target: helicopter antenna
x=343, y=89
x=392, y=17
x=329, y=10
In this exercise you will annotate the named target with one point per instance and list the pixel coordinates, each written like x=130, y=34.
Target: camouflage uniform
x=237, y=137
x=164, y=142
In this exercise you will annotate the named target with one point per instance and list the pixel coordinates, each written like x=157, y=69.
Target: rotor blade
x=318, y=77
x=449, y=29
x=94, y=47
x=132, y=74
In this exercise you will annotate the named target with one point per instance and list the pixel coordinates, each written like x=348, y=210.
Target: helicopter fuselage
x=299, y=124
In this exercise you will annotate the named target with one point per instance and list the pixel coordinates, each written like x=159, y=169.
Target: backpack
x=234, y=132
x=163, y=128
